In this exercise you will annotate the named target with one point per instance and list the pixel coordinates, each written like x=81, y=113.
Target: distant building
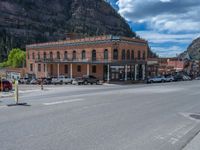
x=109, y=58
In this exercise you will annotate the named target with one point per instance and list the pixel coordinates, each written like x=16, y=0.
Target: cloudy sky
x=169, y=25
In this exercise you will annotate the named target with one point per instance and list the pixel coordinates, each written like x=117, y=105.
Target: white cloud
x=168, y=15
x=156, y=37
x=168, y=51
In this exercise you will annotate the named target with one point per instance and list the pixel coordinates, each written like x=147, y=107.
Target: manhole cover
x=195, y=116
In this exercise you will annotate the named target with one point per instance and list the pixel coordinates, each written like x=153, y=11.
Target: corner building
x=109, y=58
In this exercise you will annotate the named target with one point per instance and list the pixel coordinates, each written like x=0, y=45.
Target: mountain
x=31, y=21
x=193, y=50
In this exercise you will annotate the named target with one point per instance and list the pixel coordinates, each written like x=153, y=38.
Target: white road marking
x=63, y=102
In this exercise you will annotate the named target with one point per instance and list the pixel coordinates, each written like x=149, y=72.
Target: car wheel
x=171, y=80
x=85, y=82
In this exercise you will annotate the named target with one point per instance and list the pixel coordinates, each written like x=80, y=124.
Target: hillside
x=193, y=50
x=27, y=21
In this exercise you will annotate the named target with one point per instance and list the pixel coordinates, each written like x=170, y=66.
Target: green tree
x=16, y=58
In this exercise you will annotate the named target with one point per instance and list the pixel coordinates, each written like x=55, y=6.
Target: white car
x=61, y=80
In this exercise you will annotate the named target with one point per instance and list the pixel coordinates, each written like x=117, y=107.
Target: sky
x=169, y=25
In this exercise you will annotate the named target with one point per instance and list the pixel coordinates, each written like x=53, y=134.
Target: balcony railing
x=101, y=61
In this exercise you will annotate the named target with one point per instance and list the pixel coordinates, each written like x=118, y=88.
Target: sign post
x=1, y=85
x=16, y=92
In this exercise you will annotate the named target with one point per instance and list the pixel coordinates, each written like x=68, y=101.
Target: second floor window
x=115, y=54
x=58, y=55
x=123, y=54
x=132, y=55
x=139, y=55
x=65, y=55
x=45, y=55
x=93, y=55
x=83, y=55
x=105, y=54
x=128, y=55
x=144, y=55
x=74, y=55
x=51, y=55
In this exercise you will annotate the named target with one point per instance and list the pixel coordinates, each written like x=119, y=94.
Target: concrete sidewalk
x=194, y=144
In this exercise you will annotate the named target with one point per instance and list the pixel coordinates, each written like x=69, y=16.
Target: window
x=51, y=55
x=45, y=55
x=74, y=55
x=139, y=55
x=65, y=55
x=33, y=55
x=132, y=55
x=38, y=55
x=31, y=67
x=58, y=55
x=128, y=55
x=83, y=54
x=39, y=67
x=94, y=69
x=66, y=68
x=93, y=55
x=115, y=54
x=78, y=68
x=123, y=54
x=44, y=68
x=144, y=55
x=105, y=54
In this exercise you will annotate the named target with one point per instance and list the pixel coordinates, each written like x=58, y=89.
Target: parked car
x=156, y=79
x=169, y=78
x=7, y=86
x=47, y=81
x=197, y=78
x=61, y=80
x=34, y=81
x=78, y=80
x=90, y=79
x=24, y=81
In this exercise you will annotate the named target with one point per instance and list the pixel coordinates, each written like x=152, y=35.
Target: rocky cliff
x=30, y=21
x=193, y=50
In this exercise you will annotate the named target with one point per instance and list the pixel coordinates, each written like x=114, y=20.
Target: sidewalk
x=194, y=144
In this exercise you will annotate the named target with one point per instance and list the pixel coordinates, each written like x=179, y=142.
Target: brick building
x=109, y=58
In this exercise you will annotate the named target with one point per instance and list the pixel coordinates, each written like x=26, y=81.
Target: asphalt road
x=108, y=117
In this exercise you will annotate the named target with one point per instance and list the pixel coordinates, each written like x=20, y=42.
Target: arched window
x=123, y=54
x=33, y=55
x=45, y=55
x=94, y=55
x=65, y=55
x=128, y=55
x=132, y=55
x=144, y=55
x=74, y=55
x=51, y=55
x=105, y=54
x=38, y=55
x=139, y=55
x=115, y=54
x=58, y=55
x=83, y=55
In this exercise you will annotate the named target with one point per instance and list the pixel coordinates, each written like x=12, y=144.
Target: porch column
x=126, y=72
x=143, y=72
x=136, y=66
x=71, y=71
x=108, y=73
x=36, y=70
x=58, y=71
x=46, y=71
x=88, y=69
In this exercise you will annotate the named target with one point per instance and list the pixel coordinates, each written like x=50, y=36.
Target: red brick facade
x=93, y=55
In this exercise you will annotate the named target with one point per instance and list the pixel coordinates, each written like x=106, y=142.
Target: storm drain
x=195, y=116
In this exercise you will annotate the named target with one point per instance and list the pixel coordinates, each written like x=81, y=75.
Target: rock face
x=30, y=21
x=193, y=51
